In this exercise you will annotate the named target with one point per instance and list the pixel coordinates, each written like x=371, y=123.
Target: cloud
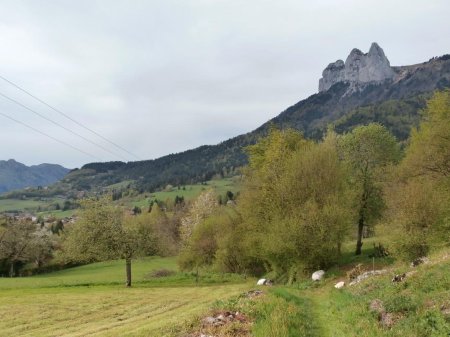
x=159, y=77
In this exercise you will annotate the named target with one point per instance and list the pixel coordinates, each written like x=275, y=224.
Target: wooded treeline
x=302, y=199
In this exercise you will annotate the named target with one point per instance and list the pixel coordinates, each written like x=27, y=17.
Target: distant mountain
x=15, y=175
x=362, y=89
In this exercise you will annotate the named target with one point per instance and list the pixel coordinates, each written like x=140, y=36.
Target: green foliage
x=201, y=246
x=202, y=207
x=428, y=154
x=97, y=236
x=395, y=105
x=420, y=192
x=402, y=303
x=397, y=115
x=20, y=242
x=217, y=241
x=368, y=150
x=295, y=204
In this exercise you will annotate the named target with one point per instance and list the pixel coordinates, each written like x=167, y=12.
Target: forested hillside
x=395, y=103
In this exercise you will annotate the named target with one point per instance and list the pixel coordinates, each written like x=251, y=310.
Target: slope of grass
x=58, y=214
x=286, y=314
x=189, y=192
x=419, y=306
x=9, y=205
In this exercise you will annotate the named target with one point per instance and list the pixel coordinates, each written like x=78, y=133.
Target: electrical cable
x=68, y=117
x=60, y=125
x=51, y=137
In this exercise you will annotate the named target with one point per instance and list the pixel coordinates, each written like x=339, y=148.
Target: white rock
x=339, y=285
x=209, y=320
x=358, y=69
x=333, y=73
x=366, y=275
x=419, y=261
x=261, y=282
x=318, y=275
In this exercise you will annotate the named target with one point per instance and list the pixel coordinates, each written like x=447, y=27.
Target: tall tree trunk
x=360, y=235
x=11, y=269
x=128, y=269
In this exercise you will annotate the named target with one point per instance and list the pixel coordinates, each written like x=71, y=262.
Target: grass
x=189, y=192
x=104, y=311
x=286, y=314
x=221, y=186
x=415, y=304
x=113, y=273
x=122, y=184
x=92, y=301
x=60, y=214
x=101, y=273
x=420, y=305
x=10, y=205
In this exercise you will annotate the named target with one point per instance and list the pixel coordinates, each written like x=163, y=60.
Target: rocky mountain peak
x=375, y=49
x=359, y=68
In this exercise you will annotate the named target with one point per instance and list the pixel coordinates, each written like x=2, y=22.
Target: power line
x=51, y=137
x=68, y=117
x=60, y=125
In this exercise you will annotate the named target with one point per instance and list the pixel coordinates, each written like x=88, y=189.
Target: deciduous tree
x=368, y=150
x=101, y=234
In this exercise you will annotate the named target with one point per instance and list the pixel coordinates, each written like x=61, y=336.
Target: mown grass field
x=92, y=300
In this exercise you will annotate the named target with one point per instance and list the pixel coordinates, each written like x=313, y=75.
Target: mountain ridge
x=394, y=101
x=15, y=175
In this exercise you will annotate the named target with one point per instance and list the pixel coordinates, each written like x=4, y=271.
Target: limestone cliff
x=359, y=68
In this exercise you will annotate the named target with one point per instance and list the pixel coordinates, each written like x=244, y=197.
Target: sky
x=160, y=77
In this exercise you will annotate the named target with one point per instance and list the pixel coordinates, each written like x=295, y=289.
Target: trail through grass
x=419, y=306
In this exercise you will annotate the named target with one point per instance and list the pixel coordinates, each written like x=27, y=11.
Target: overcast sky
x=160, y=77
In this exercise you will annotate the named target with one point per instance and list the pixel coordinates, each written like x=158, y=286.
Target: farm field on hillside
x=220, y=186
x=8, y=205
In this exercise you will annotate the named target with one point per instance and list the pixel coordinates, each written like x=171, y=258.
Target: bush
x=401, y=303
x=160, y=273
x=432, y=324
